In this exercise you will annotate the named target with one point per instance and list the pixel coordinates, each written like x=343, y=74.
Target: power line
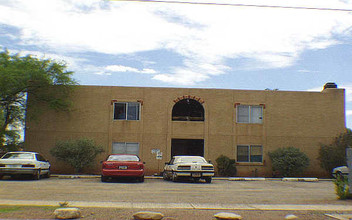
x=240, y=5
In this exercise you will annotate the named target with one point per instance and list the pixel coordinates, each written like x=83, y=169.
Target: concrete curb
x=195, y=206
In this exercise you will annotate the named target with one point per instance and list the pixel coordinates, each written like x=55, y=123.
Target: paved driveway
x=160, y=191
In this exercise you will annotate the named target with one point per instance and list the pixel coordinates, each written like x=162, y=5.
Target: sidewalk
x=194, y=206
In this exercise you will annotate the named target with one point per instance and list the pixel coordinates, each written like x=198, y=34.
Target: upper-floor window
x=126, y=111
x=188, y=110
x=249, y=153
x=125, y=148
x=250, y=114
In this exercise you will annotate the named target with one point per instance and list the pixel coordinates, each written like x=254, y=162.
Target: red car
x=122, y=165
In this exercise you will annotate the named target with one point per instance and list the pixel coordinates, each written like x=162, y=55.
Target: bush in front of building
x=334, y=154
x=226, y=166
x=342, y=188
x=78, y=153
x=289, y=161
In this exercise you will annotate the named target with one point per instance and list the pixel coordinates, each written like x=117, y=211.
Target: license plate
x=13, y=165
x=123, y=167
x=195, y=174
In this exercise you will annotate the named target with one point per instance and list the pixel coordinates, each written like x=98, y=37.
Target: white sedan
x=341, y=171
x=24, y=163
x=191, y=167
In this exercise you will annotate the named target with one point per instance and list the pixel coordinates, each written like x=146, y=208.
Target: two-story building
x=157, y=123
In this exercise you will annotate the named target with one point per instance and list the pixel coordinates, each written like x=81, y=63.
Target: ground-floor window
x=125, y=148
x=249, y=153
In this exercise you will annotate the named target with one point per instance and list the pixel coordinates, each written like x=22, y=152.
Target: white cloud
x=205, y=36
x=121, y=68
x=348, y=112
x=348, y=92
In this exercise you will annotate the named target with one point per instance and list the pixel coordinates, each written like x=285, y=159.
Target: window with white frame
x=126, y=110
x=249, y=153
x=125, y=148
x=250, y=114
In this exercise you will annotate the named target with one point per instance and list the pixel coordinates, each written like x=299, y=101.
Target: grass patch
x=7, y=209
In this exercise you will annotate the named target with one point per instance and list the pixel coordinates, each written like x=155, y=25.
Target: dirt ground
x=46, y=212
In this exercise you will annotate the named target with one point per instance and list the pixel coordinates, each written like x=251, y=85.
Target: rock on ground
x=67, y=213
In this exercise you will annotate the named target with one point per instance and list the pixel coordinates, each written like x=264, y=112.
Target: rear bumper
x=122, y=173
x=4, y=171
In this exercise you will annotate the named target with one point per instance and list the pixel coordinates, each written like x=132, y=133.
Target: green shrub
x=78, y=153
x=334, y=155
x=289, y=161
x=226, y=166
x=342, y=188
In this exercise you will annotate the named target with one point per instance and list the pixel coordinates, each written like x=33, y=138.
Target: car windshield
x=123, y=158
x=18, y=156
x=191, y=160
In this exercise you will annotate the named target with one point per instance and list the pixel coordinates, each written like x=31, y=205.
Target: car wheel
x=104, y=178
x=165, y=177
x=141, y=179
x=48, y=174
x=37, y=175
x=208, y=179
x=174, y=177
x=1, y=176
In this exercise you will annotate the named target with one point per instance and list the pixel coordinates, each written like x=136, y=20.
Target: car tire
x=165, y=177
x=141, y=179
x=104, y=178
x=208, y=179
x=48, y=174
x=174, y=177
x=1, y=176
x=37, y=174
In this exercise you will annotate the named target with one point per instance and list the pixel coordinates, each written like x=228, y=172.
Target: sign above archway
x=198, y=99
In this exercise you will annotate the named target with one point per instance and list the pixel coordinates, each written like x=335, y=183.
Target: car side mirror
x=101, y=161
x=167, y=163
x=209, y=161
x=143, y=162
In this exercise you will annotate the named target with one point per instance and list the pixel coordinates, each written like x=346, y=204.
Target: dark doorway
x=192, y=147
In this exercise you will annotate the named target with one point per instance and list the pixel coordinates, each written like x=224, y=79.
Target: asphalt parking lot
x=160, y=191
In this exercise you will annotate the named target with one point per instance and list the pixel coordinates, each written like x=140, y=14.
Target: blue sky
x=123, y=43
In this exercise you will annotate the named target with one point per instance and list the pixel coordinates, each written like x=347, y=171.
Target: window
x=249, y=153
x=250, y=114
x=126, y=110
x=125, y=148
x=188, y=110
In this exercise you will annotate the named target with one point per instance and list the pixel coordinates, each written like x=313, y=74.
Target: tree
x=226, y=166
x=78, y=153
x=289, y=161
x=334, y=155
x=43, y=81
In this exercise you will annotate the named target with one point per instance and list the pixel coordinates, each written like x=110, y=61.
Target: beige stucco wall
x=298, y=119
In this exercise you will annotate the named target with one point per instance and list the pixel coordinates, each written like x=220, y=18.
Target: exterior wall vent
x=330, y=85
